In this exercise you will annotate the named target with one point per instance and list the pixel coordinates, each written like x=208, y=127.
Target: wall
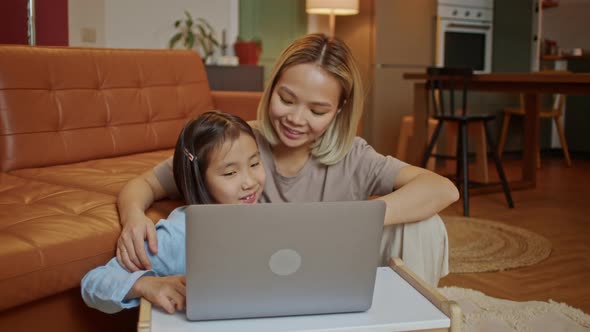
x=275, y=23
x=568, y=24
x=145, y=23
x=51, y=22
x=149, y=23
x=13, y=22
x=87, y=16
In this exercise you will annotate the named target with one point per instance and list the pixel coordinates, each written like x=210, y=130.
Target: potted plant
x=248, y=51
x=193, y=33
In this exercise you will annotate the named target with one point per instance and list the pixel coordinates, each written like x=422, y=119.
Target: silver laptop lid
x=281, y=259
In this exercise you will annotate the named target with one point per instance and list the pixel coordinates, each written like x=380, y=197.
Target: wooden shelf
x=550, y=3
x=236, y=78
x=564, y=57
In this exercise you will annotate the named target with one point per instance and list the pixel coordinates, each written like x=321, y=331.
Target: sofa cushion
x=65, y=105
x=102, y=175
x=50, y=236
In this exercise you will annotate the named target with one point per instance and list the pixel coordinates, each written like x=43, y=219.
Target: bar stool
x=476, y=132
x=443, y=81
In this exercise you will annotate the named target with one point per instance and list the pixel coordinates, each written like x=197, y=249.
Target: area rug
x=485, y=313
x=478, y=245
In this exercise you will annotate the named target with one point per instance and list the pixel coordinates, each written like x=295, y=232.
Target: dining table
x=531, y=85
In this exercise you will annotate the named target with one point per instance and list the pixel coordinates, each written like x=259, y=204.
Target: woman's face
x=235, y=174
x=303, y=104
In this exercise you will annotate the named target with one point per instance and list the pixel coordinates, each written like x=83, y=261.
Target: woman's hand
x=168, y=293
x=131, y=253
x=135, y=197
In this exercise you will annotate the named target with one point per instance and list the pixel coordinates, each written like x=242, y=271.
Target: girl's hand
x=131, y=253
x=168, y=293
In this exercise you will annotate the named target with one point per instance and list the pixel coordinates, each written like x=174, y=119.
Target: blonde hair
x=333, y=56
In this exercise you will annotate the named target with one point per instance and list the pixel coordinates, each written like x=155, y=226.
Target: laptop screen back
x=281, y=259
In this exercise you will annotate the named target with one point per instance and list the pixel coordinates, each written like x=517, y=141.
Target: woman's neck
x=290, y=161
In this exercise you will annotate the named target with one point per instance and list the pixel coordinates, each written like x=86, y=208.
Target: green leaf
x=190, y=40
x=188, y=15
x=176, y=23
x=213, y=40
x=206, y=24
x=174, y=40
x=201, y=30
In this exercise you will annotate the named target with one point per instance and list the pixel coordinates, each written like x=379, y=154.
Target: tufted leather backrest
x=64, y=105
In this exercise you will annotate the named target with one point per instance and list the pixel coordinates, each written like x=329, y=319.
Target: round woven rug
x=479, y=245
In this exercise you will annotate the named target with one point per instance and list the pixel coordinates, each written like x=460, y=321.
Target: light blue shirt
x=105, y=287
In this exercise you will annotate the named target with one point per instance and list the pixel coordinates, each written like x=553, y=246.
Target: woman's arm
x=134, y=199
x=418, y=195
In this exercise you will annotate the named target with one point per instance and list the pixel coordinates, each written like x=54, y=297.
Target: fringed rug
x=485, y=313
x=478, y=245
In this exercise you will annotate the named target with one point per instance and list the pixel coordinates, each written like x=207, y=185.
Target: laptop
x=281, y=259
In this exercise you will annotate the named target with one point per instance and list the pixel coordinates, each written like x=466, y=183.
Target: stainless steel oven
x=464, y=34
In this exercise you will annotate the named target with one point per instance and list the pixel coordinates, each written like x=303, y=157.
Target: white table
x=398, y=305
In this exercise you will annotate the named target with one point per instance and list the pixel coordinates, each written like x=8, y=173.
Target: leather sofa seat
x=106, y=176
x=49, y=235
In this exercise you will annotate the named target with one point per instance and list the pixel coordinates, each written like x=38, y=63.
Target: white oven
x=464, y=34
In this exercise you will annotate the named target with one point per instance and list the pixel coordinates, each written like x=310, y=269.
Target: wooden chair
x=443, y=81
x=406, y=131
x=554, y=113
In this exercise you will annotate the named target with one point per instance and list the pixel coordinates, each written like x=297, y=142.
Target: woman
x=307, y=120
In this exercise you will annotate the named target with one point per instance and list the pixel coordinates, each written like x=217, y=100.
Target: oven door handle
x=468, y=26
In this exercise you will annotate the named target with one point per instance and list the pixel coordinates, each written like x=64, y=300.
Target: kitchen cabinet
x=577, y=119
x=389, y=38
x=563, y=25
x=404, y=42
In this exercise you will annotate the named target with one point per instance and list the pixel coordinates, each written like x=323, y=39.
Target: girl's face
x=235, y=174
x=303, y=104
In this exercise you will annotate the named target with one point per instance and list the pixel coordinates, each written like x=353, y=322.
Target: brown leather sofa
x=75, y=125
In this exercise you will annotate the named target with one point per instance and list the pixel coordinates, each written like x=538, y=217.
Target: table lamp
x=332, y=8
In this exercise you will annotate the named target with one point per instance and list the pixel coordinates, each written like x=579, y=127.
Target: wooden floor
x=559, y=209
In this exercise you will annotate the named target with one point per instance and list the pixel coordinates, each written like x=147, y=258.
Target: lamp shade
x=336, y=7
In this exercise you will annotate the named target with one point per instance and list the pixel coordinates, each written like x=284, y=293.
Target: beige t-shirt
x=362, y=173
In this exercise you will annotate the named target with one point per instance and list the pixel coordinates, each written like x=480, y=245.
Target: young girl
x=216, y=160
x=307, y=120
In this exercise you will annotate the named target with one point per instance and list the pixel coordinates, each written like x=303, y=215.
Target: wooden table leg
x=418, y=140
x=532, y=103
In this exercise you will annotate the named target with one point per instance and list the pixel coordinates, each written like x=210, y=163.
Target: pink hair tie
x=189, y=155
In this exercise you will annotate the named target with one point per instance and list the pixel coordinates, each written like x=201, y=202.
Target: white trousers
x=422, y=245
